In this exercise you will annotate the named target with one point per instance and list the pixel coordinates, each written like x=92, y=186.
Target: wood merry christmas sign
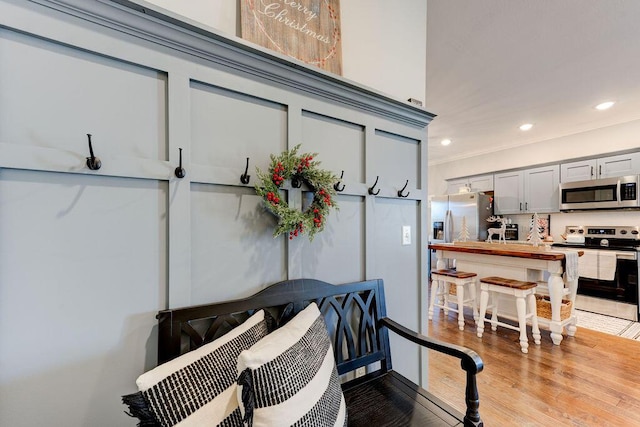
x=308, y=30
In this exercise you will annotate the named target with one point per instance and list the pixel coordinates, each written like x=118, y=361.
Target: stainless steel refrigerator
x=447, y=213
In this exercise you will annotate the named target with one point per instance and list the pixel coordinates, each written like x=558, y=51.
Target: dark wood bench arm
x=469, y=360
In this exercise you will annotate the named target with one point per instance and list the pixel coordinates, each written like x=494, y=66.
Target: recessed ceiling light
x=605, y=105
x=445, y=142
x=526, y=126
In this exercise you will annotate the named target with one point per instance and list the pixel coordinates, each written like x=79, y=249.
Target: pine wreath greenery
x=301, y=168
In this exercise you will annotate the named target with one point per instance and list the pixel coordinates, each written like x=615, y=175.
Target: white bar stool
x=460, y=279
x=524, y=292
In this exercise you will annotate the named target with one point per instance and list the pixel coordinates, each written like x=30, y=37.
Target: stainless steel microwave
x=605, y=193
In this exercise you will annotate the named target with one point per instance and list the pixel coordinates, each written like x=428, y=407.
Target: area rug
x=609, y=325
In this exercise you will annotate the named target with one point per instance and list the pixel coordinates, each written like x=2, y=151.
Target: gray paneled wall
x=227, y=126
x=399, y=266
x=389, y=152
x=341, y=143
x=83, y=270
x=87, y=258
x=338, y=254
x=233, y=251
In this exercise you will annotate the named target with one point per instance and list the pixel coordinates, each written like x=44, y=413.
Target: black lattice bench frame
x=355, y=314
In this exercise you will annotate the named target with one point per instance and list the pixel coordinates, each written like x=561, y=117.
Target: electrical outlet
x=406, y=235
x=361, y=372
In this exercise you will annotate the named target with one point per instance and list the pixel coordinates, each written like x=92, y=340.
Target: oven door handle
x=627, y=255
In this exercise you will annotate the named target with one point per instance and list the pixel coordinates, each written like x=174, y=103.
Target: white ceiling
x=495, y=64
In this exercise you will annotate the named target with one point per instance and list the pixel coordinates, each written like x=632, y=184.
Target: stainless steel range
x=608, y=282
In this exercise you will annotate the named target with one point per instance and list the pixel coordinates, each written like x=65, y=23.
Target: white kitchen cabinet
x=481, y=182
x=620, y=165
x=454, y=185
x=527, y=191
x=604, y=167
x=478, y=183
x=508, y=193
x=541, y=189
x=578, y=171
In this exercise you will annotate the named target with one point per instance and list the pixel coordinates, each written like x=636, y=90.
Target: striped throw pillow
x=199, y=387
x=289, y=378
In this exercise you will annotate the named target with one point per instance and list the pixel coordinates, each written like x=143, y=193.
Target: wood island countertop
x=510, y=249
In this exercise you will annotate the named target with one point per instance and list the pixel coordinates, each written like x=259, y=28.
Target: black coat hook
x=400, y=191
x=93, y=162
x=336, y=186
x=180, y=172
x=244, y=178
x=296, y=182
x=374, y=186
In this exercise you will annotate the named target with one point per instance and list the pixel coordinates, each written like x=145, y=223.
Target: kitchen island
x=520, y=262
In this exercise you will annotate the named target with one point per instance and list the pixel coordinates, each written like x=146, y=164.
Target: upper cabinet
x=527, y=191
x=454, y=185
x=541, y=189
x=479, y=183
x=606, y=167
x=508, y=193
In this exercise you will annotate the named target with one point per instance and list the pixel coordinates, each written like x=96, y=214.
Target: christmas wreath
x=299, y=169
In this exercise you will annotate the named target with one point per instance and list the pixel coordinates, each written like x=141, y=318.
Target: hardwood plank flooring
x=592, y=379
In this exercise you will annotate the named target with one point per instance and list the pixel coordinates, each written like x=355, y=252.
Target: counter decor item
x=463, y=236
x=499, y=231
x=535, y=233
x=299, y=168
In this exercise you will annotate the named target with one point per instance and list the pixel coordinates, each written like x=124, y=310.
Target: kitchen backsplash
x=559, y=221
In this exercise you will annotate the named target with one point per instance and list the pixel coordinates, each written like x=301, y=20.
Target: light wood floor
x=592, y=379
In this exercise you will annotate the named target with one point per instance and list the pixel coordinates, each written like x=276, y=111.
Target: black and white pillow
x=289, y=378
x=199, y=387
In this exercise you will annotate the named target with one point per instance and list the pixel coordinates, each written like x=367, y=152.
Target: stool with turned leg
x=441, y=281
x=524, y=293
